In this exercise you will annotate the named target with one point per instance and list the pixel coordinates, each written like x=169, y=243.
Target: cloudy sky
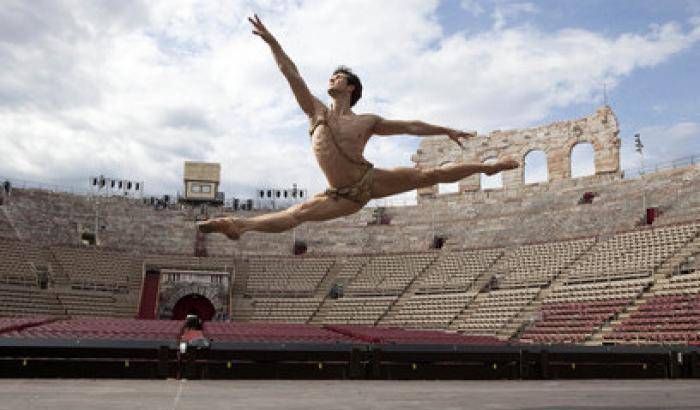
x=131, y=89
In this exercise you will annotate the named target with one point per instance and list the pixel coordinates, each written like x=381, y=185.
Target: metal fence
x=661, y=166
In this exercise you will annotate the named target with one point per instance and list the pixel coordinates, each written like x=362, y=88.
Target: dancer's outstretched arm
x=308, y=103
x=396, y=127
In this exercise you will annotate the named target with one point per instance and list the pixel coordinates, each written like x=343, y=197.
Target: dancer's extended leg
x=394, y=181
x=318, y=208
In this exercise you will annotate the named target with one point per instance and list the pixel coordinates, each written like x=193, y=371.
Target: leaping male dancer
x=338, y=138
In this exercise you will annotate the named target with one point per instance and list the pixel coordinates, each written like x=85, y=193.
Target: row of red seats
x=643, y=320
x=571, y=322
x=561, y=329
x=554, y=338
x=681, y=337
x=666, y=313
x=9, y=324
x=672, y=302
x=666, y=318
x=397, y=335
x=675, y=298
x=100, y=328
x=272, y=333
x=583, y=306
x=658, y=328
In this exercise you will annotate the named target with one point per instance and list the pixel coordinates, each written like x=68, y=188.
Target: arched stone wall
x=583, y=149
x=171, y=293
x=524, y=167
x=556, y=140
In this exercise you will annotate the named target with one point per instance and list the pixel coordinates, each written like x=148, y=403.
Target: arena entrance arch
x=194, y=304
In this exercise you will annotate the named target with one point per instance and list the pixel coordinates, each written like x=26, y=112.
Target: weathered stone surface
x=556, y=140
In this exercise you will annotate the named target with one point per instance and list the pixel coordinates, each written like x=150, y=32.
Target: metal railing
x=661, y=166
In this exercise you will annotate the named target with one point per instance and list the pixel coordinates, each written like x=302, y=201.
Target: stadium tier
x=573, y=261
x=99, y=328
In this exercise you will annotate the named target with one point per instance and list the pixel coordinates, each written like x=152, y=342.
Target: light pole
x=639, y=147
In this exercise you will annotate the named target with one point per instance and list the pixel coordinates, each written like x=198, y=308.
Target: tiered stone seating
x=376, y=334
x=91, y=303
x=358, y=310
x=21, y=300
x=271, y=333
x=389, y=274
x=103, y=328
x=188, y=262
x=350, y=266
x=670, y=315
x=268, y=275
x=430, y=311
x=487, y=316
x=631, y=254
x=16, y=268
x=572, y=313
x=290, y=310
x=6, y=230
x=536, y=265
x=98, y=269
x=458, y=270
x=688, y=284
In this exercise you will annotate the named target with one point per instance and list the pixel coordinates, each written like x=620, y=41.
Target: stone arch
x=582, y=159
x=535, y=166
x=214, y=293
x=492, y=181
x=601, y=154
x=450, y=187
x=556, y=139
x=194, y=304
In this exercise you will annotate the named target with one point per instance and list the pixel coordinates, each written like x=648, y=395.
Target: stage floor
x=278, y=394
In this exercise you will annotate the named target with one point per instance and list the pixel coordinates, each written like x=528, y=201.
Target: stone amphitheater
x=570, y=260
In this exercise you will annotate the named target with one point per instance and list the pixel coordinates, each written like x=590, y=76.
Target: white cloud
x=504, y=11
x=472, y=6
x=132, y=89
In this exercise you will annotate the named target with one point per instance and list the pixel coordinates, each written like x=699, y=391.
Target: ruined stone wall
x=556, y=140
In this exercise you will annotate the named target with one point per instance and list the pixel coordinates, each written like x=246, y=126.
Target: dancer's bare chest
x=339, y=139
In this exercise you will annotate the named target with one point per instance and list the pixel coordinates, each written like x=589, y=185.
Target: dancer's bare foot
x=503, y=165
x=231, y=227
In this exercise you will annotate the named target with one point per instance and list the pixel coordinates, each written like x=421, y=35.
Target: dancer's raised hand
x=456, y=135
x=260, y=30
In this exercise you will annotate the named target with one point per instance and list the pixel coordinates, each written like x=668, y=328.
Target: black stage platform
x=71, y=358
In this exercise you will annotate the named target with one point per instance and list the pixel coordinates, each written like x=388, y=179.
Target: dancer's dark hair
x=352, y=80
